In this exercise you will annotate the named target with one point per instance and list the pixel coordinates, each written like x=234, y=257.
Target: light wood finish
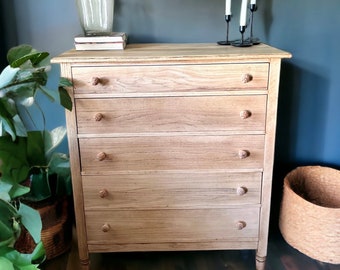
x=172, y=226
x=172, y=146
x=102, y=155
x=176, y=78
x=171, y=190
x=204, y=113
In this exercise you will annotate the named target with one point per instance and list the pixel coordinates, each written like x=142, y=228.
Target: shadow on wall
x=303, y=103
x=141, y=13
x=267, y=16
x=300, y=138
x=173, y=21
x=7, y=30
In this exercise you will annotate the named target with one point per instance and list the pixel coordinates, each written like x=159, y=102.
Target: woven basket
x=310, y=212
x=56, y=233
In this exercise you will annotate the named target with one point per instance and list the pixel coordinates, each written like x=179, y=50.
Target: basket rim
x=287, y=185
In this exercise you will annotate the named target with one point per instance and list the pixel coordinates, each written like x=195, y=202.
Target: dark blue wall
x=308, y=121
x=309, y=129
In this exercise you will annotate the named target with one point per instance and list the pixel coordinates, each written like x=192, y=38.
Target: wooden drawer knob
x=95, y=80
x=246, y=78
x=106, y=227
x=242, y=154
x=98, y=117
x=241, y=225
x=103, y=193
x=101, y=156
x=241, y=191
x=245, y=114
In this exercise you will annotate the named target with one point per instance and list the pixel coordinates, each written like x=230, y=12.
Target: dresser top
x=173, y=52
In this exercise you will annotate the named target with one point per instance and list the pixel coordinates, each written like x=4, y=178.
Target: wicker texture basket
x=56, y=233
x=310, y=212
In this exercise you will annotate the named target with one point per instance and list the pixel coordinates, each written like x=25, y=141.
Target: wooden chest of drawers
x=172, y=146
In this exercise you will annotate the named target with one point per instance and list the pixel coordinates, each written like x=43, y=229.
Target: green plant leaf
x=13, y=159
x=18, y=191
x=31, y=219
x=5, y=263
x=36, y=148
x=52, y=139
x=38, y=253
x=8, y=215
x=7, y=75
x=64, y=82
x=60, y=166
x=20, y=128
x=19, y=260
x=18, y=52
x=7, y=235
x=40, y=187
x=18, y=55
x=5, y=188
x=7, y=125
x=8, y=107
x=65, y=99
x=24, y=95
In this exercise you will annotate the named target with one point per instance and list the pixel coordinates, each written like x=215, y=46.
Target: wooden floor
x=280, y=257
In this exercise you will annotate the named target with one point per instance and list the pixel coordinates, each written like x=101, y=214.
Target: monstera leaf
x=26, y=75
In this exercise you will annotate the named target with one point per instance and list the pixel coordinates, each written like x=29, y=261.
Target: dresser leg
x=260, y=263
x=85, y=264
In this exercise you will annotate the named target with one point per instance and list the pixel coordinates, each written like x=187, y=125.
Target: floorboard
x=280, y=257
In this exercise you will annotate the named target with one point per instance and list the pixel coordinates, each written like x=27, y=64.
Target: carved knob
x=98, y=117
x=242, y=154
x=95, y=80
x=101, y=156
x=245, y=114
x=240, y=191
x=241, y=225
x=246, y=78
x=103, y=193
x=106, y=227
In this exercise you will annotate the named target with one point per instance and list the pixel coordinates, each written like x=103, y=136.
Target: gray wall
x=308, y=121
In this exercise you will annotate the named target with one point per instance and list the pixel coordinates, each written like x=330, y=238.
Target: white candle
x=243, y=15
x=253, y=2
x=227, y=7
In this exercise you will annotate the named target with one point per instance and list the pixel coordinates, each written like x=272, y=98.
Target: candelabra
x=252, y=39
x=242, y=42
x=226, y=41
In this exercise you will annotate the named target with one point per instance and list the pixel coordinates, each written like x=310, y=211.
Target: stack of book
x=113, y=41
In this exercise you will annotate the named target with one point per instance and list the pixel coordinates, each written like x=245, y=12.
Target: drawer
x=172, y=226
x=174, y=78
x=99, y=155
x=191, y=114
x=171, y=190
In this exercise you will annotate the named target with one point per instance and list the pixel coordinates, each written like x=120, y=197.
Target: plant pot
x=56, y=233
x=96, y=16
x=310, y=212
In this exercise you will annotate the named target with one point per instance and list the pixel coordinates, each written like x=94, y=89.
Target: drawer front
x=191, y=114
x=171, y=190
x=171, y=153
x=174, y=78
x=157, y=226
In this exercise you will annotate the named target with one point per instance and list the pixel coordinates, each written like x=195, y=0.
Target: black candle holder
x=252, y=39
x=226, y=41
x=242, y=42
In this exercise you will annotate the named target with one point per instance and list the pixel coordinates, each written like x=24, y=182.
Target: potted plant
x=31, y=169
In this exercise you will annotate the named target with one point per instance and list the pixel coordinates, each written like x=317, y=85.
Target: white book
x=99, y=46
x=113, y=37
